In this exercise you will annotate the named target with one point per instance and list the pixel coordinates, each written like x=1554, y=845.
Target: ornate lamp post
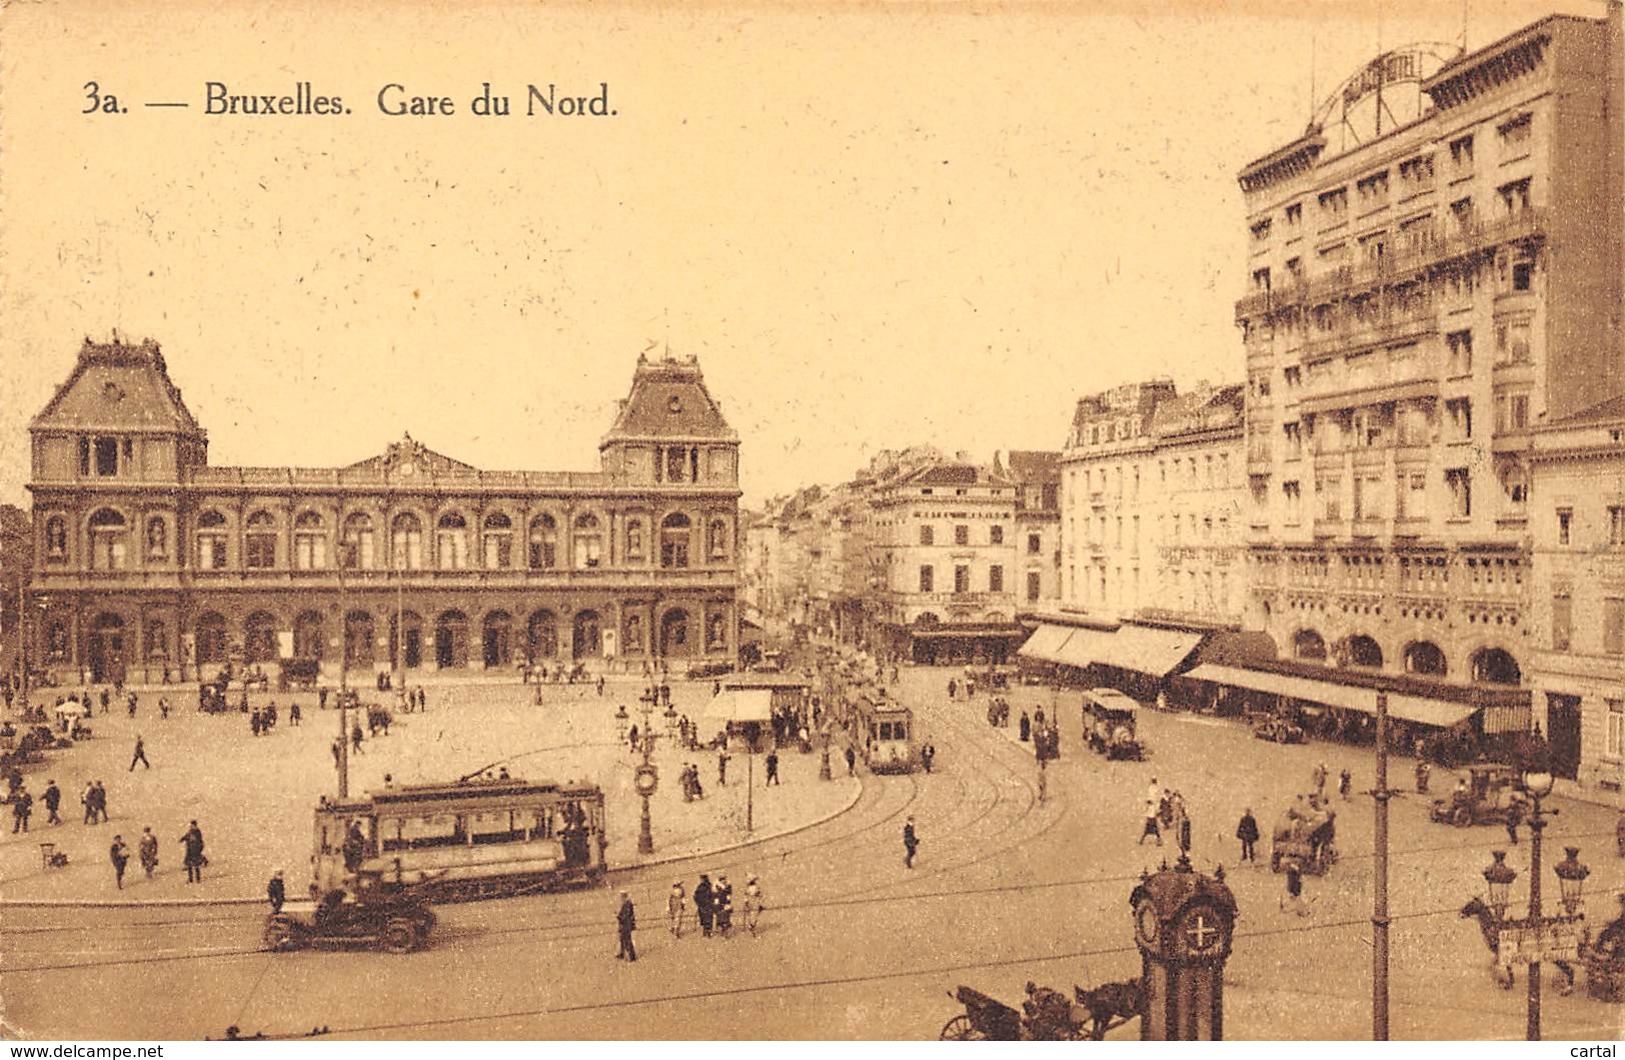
x=1538, y=937
x=646, y=779
x=621, y=720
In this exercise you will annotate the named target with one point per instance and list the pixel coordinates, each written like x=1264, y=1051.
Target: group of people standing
x=713, y=909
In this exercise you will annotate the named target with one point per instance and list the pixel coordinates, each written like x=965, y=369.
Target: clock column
x=1183, y=923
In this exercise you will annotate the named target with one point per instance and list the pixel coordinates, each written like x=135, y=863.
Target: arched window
x=211, y=540
x=309, y=635
x=1424, y=657
x=358, y=541
x=56, y=539
x=541, y=636
x=674, y=539
x=406, y=542
x=56, y=641
x=543, y=543
x=157, y=538
x=632, y=635
x=1307, y=644
x=1494, y=666
x=497, y=639
x=716, y=539
x=109, y=540
x=260, y=541
x=588, y=546
x=309, y=541
x=716, y=632
x=156, y=650
x=451, y=542
x=1363, y=651
x=358, y=639
x=635, y=539
x=211, y=638
x=259, y=637
x=498, y=541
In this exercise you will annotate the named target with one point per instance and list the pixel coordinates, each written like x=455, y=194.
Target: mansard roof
x=669, y=399
x=115, y=386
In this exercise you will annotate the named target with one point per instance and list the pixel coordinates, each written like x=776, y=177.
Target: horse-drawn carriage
x=1490, y=794
x=1306, y=836
x=1110, y=724
x=1046, y=1015
x=299, y=674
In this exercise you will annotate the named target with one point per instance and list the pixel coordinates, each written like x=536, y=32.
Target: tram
x=882, y=731
x=467, y=840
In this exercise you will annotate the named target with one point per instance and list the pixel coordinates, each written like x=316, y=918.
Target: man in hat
x=276, y=892
x=722, y=905
x=120, y=855
x=626, y=921
x=911, y=843
x=703, y=907
x=676, y=908
x=753, y=903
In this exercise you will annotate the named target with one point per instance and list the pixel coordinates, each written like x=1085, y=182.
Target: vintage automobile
x=1110, y=724
x=1279, y=730
x=368, y=915
x=1492, y=795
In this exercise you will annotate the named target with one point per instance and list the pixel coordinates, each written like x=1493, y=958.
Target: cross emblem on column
x=1199, y=932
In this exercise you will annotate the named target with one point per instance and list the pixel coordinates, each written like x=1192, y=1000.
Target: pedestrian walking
x=147, y=851
x=722, y=905
x=1345, y=782
x=632, y=737
x=1026, y=727
x=953, y=688
x=130, y=703
x=22, y=806
x=100, y=799
x=626, y=921
x=293, y=714
x=600, y=685
x=676, y=908
x=1247, y=832
x=772, y=768
x=163, y=707
x=1150, y=830
x=254, y=723
x=1514, y=818
x=52, y=800
x=355, y=738
x=1318, y=778
x=1423, y=770
x=119, y=854
x=140, y=754
x=192, y=840
x=88, y=799
x=704, y=910
x=276, y=892
x=851, y=761
x=753, y=904
x=1294, y=900
x=911, y=843
x=928, y=754
x=722, y=765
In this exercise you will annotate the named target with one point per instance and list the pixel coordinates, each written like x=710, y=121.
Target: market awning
x=745, y=704
x=1423, y=709
x=1045, y=642
x=1148, y=650
x=1084, y=647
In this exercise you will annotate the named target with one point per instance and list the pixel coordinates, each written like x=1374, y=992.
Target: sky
x=875, y=226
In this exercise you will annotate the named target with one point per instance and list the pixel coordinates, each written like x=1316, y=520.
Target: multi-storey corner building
x=943, y=539
x=150, y=562
x=1420, y=302
x=1577, y=657
x=1151, y=519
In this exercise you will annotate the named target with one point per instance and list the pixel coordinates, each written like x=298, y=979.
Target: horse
x=1490, y=927
x=1110, y=1005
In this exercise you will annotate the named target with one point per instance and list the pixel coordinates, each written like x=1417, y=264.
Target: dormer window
x=675, y=404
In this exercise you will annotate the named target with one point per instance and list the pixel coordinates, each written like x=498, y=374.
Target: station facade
x=150, y=563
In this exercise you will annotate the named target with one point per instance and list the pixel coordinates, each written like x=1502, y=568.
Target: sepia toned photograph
x=735, y=522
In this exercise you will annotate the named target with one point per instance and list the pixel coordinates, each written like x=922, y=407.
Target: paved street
x=854, y=945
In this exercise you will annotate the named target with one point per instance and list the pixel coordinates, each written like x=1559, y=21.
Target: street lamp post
x=1379, y=901
x=1538, y=935
x=344, y=674
x=646, y=839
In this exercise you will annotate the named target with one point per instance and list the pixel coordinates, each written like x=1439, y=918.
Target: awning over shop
x=745, y=704
x=1441, y=712
x=1084, y=647
x=1149, y=651
x=964, y=632
x=1044, y=643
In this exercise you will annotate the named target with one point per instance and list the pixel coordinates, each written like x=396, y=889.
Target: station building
x=151, y=563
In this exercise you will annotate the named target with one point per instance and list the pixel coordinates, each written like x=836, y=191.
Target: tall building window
x=716, y=539
x=406, y=542
x=635, y=539
x=1034, y=583
x=309, y=542
x=927, y=578
x=542, y=543
x=157, y=538
x=1460, y=414
x=1562, y=621
x=56, y=539
x=1460, y=344
x=451, y=542
x=995, y=535
x=1565, y=526
x=1514, y=197
x=260, y=541
x=928, y=534
x=995, y=579
x=1460, y=482
x=674, y=540
x=1613, y=733
x=109, y=540
x=359, y=542
x=106, y=451
x=1035, y=544
x=961, y=578
x=1461, y=154
x=961, y=534
x=1515, y=133
x=588, y=545
x=496, y=542
x=1613, y=625
x=211, y=541
x=1616, y=525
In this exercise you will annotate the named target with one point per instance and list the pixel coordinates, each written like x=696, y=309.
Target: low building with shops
x=151, y=564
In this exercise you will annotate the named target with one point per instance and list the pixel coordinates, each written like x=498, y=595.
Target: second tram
x=882, y=731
